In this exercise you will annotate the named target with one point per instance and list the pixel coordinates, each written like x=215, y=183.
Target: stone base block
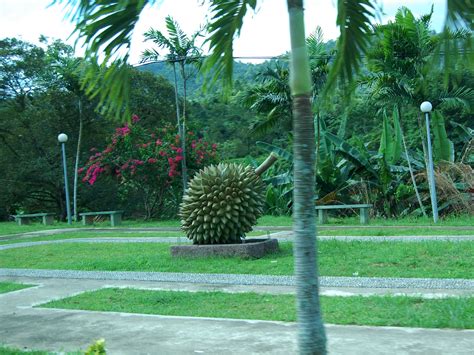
x=251, y=249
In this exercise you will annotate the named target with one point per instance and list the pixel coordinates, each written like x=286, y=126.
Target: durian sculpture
x=222, y=203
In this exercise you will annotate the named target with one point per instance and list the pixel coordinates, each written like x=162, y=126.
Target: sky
x=265, y=33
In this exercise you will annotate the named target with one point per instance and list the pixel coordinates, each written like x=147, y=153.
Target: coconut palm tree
x=182, y=51
x=107, y=26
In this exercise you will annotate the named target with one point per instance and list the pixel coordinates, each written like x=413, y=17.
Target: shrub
x=148, y=163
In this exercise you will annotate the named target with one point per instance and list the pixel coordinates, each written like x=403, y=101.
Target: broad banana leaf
x=391, y=139
x=277, y=150
x=443, y=148
x=351, y=153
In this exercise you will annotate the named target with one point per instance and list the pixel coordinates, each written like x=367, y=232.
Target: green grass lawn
x=393, y=231
x=111, y=234
x=6, y=350
x=461, y=220
x=12, y=286
x=436, y=259
x=375, y=310
x=458, y=221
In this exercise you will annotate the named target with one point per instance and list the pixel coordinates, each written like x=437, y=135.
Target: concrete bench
x=364, y=212
x=115, y=217
x=22, y=219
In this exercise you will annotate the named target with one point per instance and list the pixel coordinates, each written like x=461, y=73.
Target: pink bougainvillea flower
x=123, y=131
x=179, y=150
x=158, y=142
x=178, y=158
x=162, y=153
x=135, y=118
x=152, y=160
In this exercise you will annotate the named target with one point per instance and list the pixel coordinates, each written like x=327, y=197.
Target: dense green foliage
x=361, y=155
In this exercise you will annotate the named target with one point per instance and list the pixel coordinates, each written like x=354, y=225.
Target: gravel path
x=241, y=279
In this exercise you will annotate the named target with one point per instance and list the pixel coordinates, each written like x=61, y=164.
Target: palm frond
x=149, y=55
x=452, y=48
x=462, y=96
x=225, y=25
x=353, y=19
x=159, y=39
x=106, y=27
x=262, y=127
x=460, y=14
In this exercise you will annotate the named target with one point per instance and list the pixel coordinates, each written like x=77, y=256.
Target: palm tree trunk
x=76, y=166
x=181, y=126
x=311, y=333
x=184, y=168
x=412, y=175
x=178, y=119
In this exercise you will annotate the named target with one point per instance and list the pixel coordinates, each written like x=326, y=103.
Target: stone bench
x=22, y=219
x=115, y=217
x=363, y=208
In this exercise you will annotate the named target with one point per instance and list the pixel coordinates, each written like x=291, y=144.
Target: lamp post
x=62, y=138
x=426, y=108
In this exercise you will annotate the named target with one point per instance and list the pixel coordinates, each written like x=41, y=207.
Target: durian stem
x=266, y=164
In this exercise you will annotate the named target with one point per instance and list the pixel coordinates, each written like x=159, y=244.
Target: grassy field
x=6, y=350
x=462, y=220
x=336, y=258
x=108, y=234
x=457, y=221
x=376, y=311
x=12, y=286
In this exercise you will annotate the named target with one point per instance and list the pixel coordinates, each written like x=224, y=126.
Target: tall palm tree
x=272, y=95
x=182, y=50
x=109, y=24
x=399, y=60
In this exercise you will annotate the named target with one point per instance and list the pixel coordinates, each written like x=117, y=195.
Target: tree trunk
x=76, y=166
x=176, y=100
x=181, y=127
x=184, y=168
x=311, y=333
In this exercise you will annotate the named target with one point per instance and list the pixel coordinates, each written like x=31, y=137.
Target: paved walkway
x=22, y=325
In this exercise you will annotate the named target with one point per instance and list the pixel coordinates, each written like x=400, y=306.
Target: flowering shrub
x=146, y=161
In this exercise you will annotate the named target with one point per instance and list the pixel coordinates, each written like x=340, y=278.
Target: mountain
x=243, y=73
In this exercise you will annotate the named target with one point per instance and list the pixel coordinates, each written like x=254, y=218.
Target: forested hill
x=243, y=73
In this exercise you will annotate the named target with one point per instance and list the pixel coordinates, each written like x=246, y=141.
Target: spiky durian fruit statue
x=223, y=202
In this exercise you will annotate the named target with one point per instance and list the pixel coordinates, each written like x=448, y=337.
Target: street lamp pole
x=62, y=138
x=426, y=108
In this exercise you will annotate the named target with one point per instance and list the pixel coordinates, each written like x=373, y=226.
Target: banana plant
x=391, y=139
x=443, y=148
